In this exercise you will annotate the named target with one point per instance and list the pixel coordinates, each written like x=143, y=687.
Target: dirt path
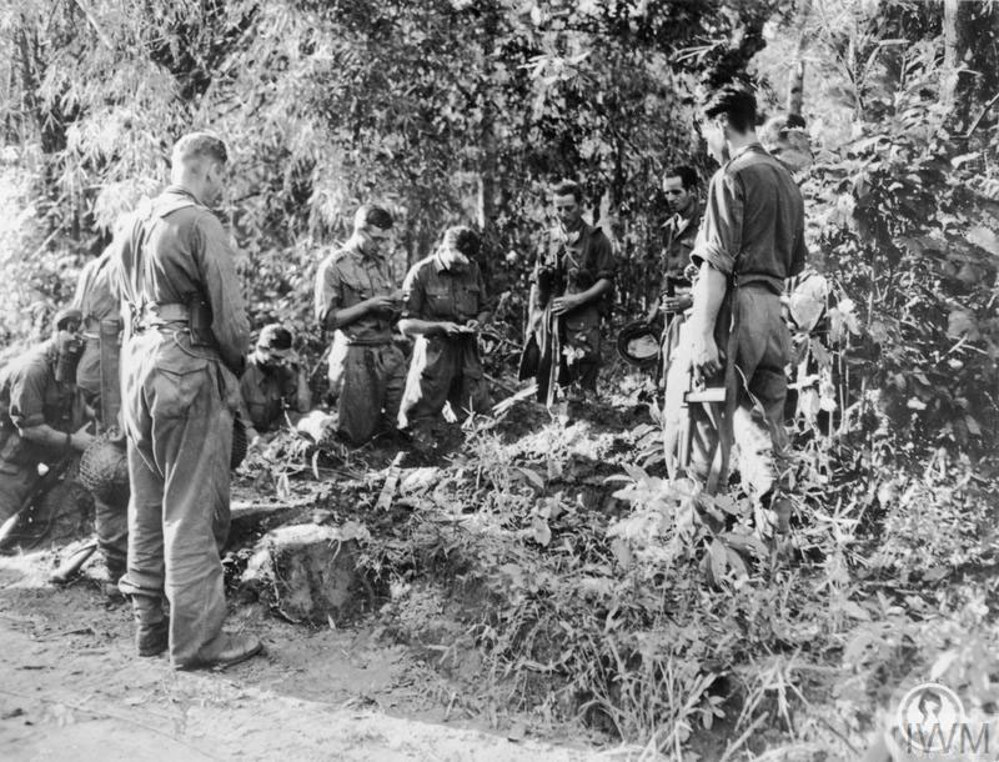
x=71, y=689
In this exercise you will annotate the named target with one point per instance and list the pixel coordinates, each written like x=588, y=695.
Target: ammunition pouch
x=200, y=322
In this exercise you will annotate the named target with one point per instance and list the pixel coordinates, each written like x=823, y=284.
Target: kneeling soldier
x=273, y=382
x=356, y=298
x=42, y=421
x=445, y=306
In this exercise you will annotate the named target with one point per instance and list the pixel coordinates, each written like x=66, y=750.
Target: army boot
x=223, y=651
x=152, y=632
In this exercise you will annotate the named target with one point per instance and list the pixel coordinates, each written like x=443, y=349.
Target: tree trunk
x=795, y=88
x=796, y=77
x=487, y=166
x=971, y=59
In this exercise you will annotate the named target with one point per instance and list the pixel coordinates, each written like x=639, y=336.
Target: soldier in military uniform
x=273, y=382
x=679, y=233
x=98, y=378
x=570, y=294
x=445, y=307
x=182, y=358
x=751, y=241
x=356, y=297
x=43, y=421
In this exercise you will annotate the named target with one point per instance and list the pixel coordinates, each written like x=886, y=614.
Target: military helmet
x=638, y=344
x=240, y=443
x=104, y=469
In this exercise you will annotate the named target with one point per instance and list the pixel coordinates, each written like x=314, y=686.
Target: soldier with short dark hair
x=356, y=297
x=273, y=383
x=751, y=241
x=43, y=421
x=572, y=282
x=672, y=295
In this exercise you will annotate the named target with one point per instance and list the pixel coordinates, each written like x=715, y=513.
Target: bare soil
x=71, y=687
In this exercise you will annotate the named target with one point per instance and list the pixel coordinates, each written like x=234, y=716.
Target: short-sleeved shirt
x=679, y=235
x=97, y=299
x=434, y=292
x=754, y=221
x=575, y=266
x=348, y=277
x=30, y=396
x=176, y=250
x=266, y=393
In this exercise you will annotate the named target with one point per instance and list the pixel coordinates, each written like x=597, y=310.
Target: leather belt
x=154, y=315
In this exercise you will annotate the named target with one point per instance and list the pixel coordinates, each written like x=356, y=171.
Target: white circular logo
x=927, y=715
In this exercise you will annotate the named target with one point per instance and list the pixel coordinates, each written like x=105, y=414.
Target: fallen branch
x=391, y=482
x=984, y=111
x=504, y=405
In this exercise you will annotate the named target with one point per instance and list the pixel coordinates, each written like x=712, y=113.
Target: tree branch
x=93, y=22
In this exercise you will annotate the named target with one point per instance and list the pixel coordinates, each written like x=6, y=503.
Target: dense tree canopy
x=458, y=111
x=446, y=110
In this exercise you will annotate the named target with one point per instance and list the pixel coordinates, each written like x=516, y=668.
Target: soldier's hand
x=385, y=303
x=450, y=328
x=81, y=438
x=705, y=357
x=676, y=303
x=563, y=304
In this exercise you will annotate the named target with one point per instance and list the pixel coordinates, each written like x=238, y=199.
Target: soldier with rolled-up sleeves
x=357, y=298
x=43, y=419
x=446, y=306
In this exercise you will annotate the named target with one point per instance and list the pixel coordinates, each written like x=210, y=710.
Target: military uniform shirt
x=346, y=278
x=194, y=258
x=580, y=264
x=265, y=394
x=97, y=300
x=435, y=293
x=30, y=396
x=754, y=221
x=679, y=235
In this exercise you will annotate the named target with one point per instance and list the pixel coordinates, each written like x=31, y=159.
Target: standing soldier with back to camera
x=569, y=295
x=98, y=378
x=357, y=298
x=43, y=420
x=751, y=241
x=182, y=359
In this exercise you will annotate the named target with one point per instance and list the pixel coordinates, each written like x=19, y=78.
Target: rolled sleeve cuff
x=327, y=317
x=715, y=256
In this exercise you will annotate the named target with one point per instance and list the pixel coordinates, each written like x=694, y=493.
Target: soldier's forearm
x=417, y=327
x=346, y=316
x=595, y=291
x=45, y=435
x=708, y=294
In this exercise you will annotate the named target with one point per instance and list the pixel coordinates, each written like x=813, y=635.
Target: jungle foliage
x=661, y=610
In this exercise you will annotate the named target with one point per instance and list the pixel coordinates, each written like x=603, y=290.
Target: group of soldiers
x=166, y=291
